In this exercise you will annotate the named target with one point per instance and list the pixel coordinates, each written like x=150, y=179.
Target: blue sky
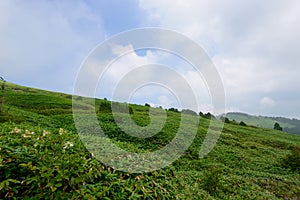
x=254, y=45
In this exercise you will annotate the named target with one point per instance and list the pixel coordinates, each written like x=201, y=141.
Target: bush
x=225, y=119
x=212, y=179
x=277, y=127
x=292, y=160
x=105, y=107
x=242, y=123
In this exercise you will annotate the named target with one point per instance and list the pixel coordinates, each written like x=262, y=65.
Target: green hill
x=288, y=125
x=42, y=157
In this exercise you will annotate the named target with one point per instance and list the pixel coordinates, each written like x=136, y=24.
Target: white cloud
x=267, y=102
x=45, y=41
x=254, y=44
x=165, y=101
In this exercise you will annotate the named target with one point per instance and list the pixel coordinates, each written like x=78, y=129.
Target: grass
x=246, y=163
x=258, y=120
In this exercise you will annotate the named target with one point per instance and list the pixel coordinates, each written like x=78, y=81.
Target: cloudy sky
x=255, y=45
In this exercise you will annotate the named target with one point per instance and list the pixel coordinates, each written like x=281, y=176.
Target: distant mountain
x=288, y=125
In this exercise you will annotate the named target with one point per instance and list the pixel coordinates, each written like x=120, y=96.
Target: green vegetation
x=288, y=125
x=277, y=127
x=243, y=123
x=42, y=157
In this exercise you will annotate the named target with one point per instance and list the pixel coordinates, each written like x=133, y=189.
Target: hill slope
x=288, y=125
x=41, y=156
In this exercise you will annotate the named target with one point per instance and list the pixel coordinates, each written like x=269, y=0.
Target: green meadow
x=42, y=156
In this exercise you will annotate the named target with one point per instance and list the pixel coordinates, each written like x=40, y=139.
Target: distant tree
x=209, y=116
x=147, y=105
x=174, y=110
x=242, y=123
x=277, y=127
x=189, y=112
x=201, y=114
x=225, y=119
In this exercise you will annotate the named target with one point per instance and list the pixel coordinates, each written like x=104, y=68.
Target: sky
x=255, y=46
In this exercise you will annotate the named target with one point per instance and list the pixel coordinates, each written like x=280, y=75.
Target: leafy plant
x=211, y=179
x=292, y=160
x=242, y=123
x=42, y=157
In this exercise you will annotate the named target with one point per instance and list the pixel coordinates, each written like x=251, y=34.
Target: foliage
x=147, y=105
x=288, y=125
x=292, y=160
x=277, y=127
x=106, y=107
x=189, y=112
x=243, y=123
x=212, y=176
x=174, y=110
x=42, y=157
x=225, y=119
x=209, y=116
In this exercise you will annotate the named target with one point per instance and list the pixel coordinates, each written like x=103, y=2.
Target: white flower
x=45, y=133
x=16, y=130
x=61, y=131
x=26, y=136
x=68, y=145
x=27, y=132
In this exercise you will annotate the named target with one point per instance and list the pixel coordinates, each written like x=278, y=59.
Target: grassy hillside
x=288, y=125
x=42, y=157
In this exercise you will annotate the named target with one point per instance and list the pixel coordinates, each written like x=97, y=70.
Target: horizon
x=254, y=46
x=157, y=106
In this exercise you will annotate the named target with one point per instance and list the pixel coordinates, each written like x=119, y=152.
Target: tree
x=147, y=105
x=209, y=116
x=189, y=112
x=225, y=119
x=277, y=127
x=243, y=123
x=174, y=110
x=201, y=114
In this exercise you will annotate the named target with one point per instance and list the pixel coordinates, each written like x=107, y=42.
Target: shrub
x=105, y=106
x=212, y=178
x=225, y=119
x=277, y=127
x=242, y=123
x=292, y=160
